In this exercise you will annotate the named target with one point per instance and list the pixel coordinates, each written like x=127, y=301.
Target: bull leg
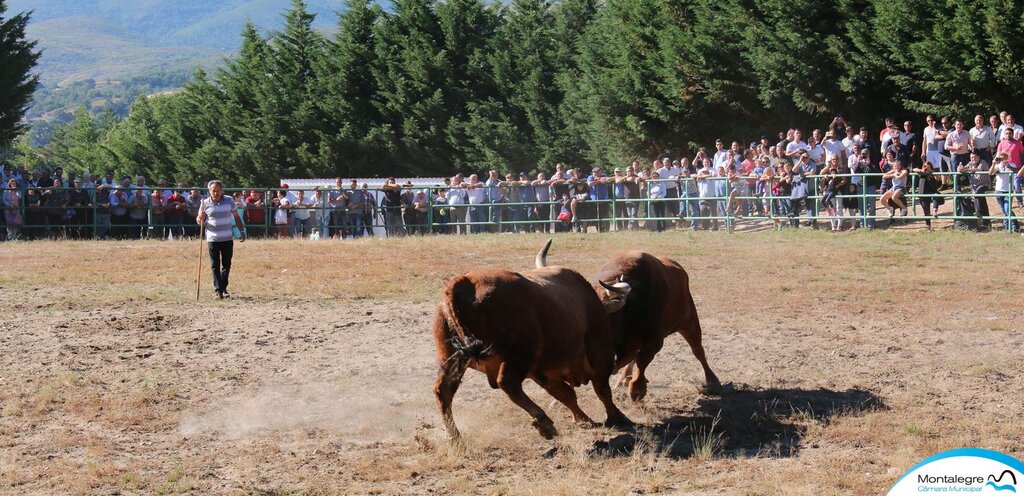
x=566, y=395
x=604, y=393
x=638, y=387
x=510, y=380
x=693, y=339
x=449, y=376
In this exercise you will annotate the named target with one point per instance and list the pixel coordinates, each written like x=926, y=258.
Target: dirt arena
x=847, y=358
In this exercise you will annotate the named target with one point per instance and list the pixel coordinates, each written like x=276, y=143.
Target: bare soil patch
x=848, y=357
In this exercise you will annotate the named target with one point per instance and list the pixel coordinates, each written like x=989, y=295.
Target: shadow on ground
x=744, y=422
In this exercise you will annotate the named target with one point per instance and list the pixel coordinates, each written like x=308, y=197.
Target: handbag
x=280, y=216
x=564, y=216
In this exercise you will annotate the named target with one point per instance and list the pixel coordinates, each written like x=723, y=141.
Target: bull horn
x=621, y=288
x=542, y=256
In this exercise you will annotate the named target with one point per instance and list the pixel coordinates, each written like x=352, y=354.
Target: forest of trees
x=431, y=87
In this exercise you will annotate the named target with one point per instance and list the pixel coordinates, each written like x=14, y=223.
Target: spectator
x=958, y=142
x=1003, y=169
x=12, y=209
x=691, y=194
x=896, y=196
x=1014, y=150
x=977, y=171
x=193, y=203
x=138, y=207
x=527, y=199
x=103, y=216
x=800, y=190
x=282, y=214
x=545, y=208
x=477, y=200
x=55, y=202
x=983, y=139
x=442, y=212
x=302, y=220
x=255, y=213
x=369, y=210
x=175, y=213
x=928, y=186
x=119, y=220
x=656, y=193
x=706, y=189
x=796, y=147
x=420, y=207
x=158, y=214
x=458, y=198
x=599, y=193
x=322, y=213
x=580, y=194
x=493, y=197
x=832, y=183
x=392, y=207
x=339, y=210
x=354, y=200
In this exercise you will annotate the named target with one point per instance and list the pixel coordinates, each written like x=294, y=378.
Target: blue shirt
x=599, y=192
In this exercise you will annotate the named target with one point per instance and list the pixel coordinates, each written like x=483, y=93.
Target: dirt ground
x=847, y=358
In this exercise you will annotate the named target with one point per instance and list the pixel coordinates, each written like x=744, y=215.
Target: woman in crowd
x=369, y=210
x=12, y=210
x=656, y=192
x=1003, y=171
x=830, y=185
x=928, y=186
x=281, y=205
x=896, y=195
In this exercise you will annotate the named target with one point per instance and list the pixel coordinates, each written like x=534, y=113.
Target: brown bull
x=659, y=304
x=545, y=324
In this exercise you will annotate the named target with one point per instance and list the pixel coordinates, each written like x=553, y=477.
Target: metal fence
x=726, y=203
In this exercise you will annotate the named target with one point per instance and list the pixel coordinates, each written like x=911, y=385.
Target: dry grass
x=848, y=356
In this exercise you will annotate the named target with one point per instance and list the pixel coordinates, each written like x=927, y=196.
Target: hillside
x=101, y=39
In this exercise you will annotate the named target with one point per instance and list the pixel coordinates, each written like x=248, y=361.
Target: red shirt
x=254, y=214
x=1014, y=149
x=176, y=205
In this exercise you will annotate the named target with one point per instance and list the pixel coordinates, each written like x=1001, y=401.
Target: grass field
x=848, y=359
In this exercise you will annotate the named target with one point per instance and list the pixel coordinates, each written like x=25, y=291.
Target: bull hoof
x=637, y=391
x=712, y=386
x=619, y=420
x=586, y=423
x=546, y=428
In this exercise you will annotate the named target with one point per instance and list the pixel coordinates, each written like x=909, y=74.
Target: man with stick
x=215, y=215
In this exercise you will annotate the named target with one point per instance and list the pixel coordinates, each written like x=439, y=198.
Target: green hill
x=98, y=39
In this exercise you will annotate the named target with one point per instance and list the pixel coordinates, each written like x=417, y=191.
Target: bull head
x=616, y=295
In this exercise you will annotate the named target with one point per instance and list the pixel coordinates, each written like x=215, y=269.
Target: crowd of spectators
x=841, y=175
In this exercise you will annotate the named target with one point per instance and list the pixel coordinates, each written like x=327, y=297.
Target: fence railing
x=722, y=202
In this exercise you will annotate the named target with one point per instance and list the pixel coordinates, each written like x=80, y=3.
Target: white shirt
x=795, y=146
x=706, y=187
x=1003, y=171
x=848, y=143
x=833, y=148
x=669, y=173
x=983, y=138
x=1018, y=131
x=816, y=154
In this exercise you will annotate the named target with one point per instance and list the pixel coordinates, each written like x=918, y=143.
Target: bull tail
x=457, y=311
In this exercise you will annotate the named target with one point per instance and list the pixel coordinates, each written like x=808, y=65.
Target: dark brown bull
x=545, y=324
x=659, y=304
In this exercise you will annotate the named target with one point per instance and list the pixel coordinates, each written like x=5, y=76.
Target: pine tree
x=18, y=56
x=348, y=91
x=411, y=91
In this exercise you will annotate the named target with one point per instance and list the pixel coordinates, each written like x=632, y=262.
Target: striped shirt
x=218, y=218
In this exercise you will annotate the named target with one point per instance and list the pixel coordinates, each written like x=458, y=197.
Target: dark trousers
x=220, y=262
